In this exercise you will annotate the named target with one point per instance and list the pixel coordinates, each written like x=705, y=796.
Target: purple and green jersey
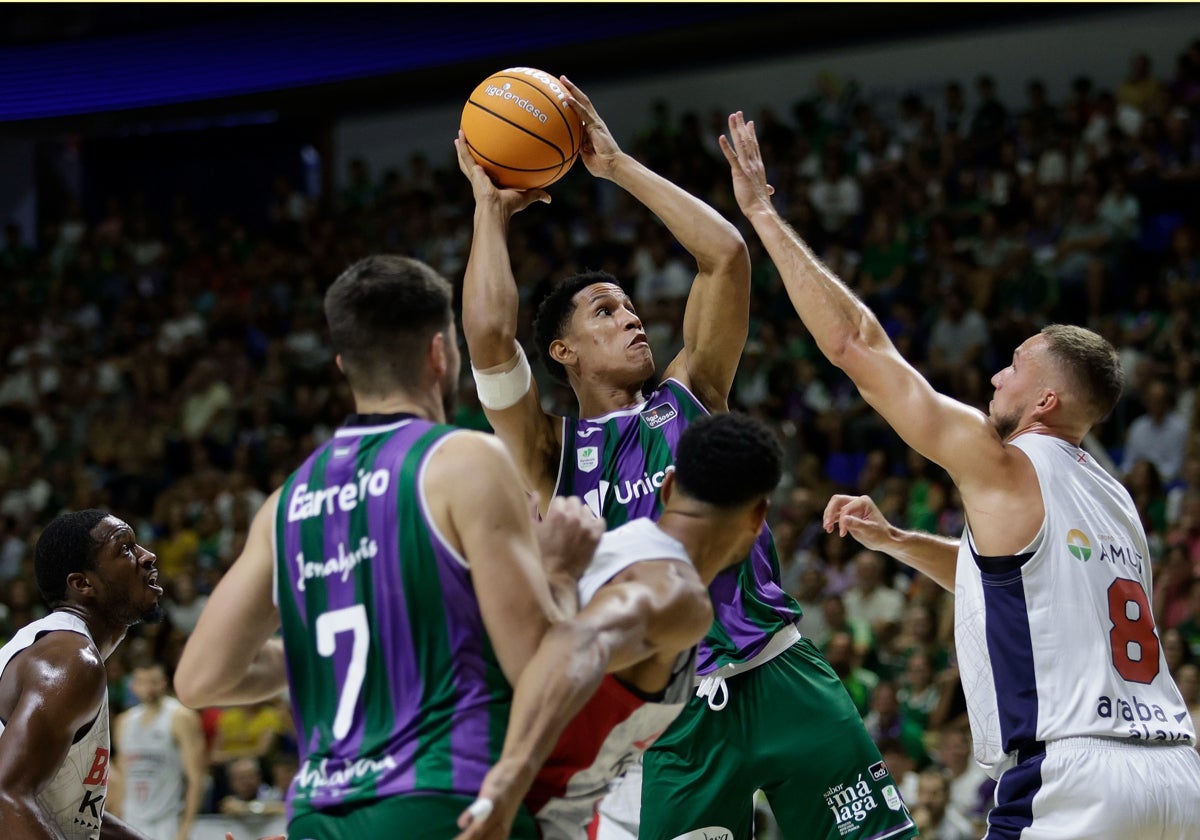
x=395, y=688
x=617, y=462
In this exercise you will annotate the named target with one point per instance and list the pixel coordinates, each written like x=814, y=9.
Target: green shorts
x=418, y=816
x=789, y=729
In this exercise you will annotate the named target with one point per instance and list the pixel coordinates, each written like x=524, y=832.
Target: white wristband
x=481, y=809
x=499, y=391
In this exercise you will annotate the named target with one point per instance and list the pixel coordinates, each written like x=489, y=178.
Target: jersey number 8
x=1134, y=643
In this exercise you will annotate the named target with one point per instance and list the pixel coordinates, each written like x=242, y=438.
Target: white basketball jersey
x=617, y=724
x=1059, y=641
x=74, y=799
x=154, y=779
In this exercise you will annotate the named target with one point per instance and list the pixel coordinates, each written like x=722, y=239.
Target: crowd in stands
x=174, y=369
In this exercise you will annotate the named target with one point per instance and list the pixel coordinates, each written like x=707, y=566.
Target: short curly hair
x=728, y=460
x=66, y=546
x=554, y=313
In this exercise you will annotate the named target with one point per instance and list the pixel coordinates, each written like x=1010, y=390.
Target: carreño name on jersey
x=305, y=504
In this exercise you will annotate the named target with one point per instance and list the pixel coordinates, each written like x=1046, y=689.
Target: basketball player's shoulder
x=64, y=663
x=466, y=455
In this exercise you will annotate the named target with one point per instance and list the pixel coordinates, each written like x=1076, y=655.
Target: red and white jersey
x=617, y=724
x=74, y=799
x=1059, y=641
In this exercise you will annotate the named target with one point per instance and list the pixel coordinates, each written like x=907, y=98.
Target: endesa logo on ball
x=503, y=92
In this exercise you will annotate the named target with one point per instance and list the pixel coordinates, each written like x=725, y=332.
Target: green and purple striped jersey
x=616, y=463
x=395, y=688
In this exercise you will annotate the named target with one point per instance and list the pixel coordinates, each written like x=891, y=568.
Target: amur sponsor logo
x=1079, y=545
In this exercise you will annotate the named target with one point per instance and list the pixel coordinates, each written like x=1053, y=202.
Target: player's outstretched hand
x=568, y=535
x=859, y=517
x=599, y=150
x=485, y=190
x=750, y=186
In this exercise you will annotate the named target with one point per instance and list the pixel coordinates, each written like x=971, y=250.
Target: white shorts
x=1100, y=789
x=617, y=815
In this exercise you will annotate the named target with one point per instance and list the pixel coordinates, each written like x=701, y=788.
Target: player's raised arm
x=503, y=376
x=947, y=432
x=230, y=658
x=716, y=319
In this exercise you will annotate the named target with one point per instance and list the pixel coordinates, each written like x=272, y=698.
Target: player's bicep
x=653, y=607
x=950, y=433
x=716, y=321
x=60, y=694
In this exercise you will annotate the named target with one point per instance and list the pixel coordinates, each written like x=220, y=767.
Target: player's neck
x=700, y=535
x=1038, y=427
x=599, y=400
x=105, y=634
x=427, y=407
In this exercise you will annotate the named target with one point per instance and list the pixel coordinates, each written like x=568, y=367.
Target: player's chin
x=153, y=614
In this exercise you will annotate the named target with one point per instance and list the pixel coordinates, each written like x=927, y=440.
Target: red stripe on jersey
x=581, y=741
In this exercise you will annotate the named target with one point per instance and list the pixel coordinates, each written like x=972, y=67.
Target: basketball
x=520, y=129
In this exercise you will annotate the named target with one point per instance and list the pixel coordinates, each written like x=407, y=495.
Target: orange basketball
x=520, y=129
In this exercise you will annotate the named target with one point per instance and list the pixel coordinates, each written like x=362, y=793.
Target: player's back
x=1060, y=642
x=617, y=463
x=395, y=688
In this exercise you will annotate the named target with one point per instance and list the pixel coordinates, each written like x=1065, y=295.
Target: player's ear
x=438, y=357
x=80, y=583
x=1047, y=401
x=758, y=514
x=562, y=352
x=338, y=360
x=668, y=486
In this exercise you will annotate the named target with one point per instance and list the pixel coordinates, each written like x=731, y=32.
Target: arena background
x=213, y=99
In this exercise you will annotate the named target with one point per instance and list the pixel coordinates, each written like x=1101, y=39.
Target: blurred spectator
x=249, y=798
x=970, y=792
x=887, y=720
x=1158, y=436
x=843, y=658
x=931, y=813
x=871, y=602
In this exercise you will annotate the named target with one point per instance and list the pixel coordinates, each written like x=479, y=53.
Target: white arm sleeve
x=498, y=388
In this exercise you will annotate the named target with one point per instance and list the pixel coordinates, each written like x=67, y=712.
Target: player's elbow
x=195, y=686
x=730, y=256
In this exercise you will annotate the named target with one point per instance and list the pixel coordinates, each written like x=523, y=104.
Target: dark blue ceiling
x=297, y=46
x=69, y=62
